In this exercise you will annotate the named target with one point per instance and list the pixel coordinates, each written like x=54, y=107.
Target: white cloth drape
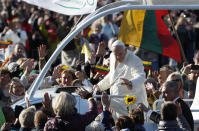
x=67, y=7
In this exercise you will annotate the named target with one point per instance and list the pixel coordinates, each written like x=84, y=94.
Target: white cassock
x=195, y=105
x=131, y=69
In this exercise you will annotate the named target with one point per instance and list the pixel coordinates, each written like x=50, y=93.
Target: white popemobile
x=36, y=96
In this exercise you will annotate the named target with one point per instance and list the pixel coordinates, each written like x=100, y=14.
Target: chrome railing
x=161, y=100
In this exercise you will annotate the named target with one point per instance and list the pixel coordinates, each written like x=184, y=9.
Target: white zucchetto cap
x=118, y=43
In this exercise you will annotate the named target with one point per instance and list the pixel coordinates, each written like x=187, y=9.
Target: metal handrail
x=111, y=96
x=194, y=110
x=161, y=100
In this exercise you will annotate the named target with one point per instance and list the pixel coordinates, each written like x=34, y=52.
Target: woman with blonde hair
x=67, y=77
x=16, y=89
x=67, y=117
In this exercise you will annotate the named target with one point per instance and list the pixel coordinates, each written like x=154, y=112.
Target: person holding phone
x=190, y=75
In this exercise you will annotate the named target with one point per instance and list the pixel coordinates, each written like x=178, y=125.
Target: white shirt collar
x=176, y=99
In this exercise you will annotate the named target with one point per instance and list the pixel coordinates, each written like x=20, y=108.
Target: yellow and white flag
x=86, y=52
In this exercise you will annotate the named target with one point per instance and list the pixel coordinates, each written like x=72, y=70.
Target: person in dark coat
x=170, y=92
x=67, y=117
x=172, y=118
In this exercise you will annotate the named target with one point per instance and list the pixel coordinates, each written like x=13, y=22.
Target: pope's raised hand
x=127, y=83
x=96, y=87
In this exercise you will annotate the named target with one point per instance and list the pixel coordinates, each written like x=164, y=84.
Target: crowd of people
x=112, y=68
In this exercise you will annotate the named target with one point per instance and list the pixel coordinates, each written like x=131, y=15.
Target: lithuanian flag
x=146, y=29
x=147, y=65
x=63, y=68
x=101, y=69
x=5, y=44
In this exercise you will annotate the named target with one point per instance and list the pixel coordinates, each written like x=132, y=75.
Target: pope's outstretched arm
x=105, y=83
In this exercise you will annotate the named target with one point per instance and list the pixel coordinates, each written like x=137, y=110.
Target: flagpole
x=177, y=37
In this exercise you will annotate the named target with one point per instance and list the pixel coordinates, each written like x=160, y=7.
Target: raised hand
x=47, y=101
x=150, y=86
x=28, y=65
x=101, y=50
x=105, y=99
x=187, y=69
x=56, y=72
x=92, y=59
x=83, y=93
x=42, y=51
x=27, y=102
x=79, y=62
x=80, y=75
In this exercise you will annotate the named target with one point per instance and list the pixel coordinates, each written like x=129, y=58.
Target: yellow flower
x=129, y=99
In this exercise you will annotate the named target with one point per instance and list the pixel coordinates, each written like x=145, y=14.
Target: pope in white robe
x=195, y=106
x=126, y=76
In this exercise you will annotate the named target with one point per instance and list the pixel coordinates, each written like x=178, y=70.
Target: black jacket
x=186, y=112
x=180, y=124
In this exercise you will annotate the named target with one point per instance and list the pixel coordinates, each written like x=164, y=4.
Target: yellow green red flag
x=147, y=30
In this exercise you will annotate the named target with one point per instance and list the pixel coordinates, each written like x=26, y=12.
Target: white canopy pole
x=87, y=22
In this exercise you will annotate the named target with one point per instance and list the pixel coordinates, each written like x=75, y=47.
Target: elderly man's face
x=167, y=94
x=119, y=53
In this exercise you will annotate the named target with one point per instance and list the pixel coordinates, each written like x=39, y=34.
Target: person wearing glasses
x=176, y=76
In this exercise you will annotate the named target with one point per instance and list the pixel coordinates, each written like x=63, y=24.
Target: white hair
x=95, y=126
x=177, y=74
x=110, y=42
x=26, y=117
x=118, y=43
x=64, y=104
